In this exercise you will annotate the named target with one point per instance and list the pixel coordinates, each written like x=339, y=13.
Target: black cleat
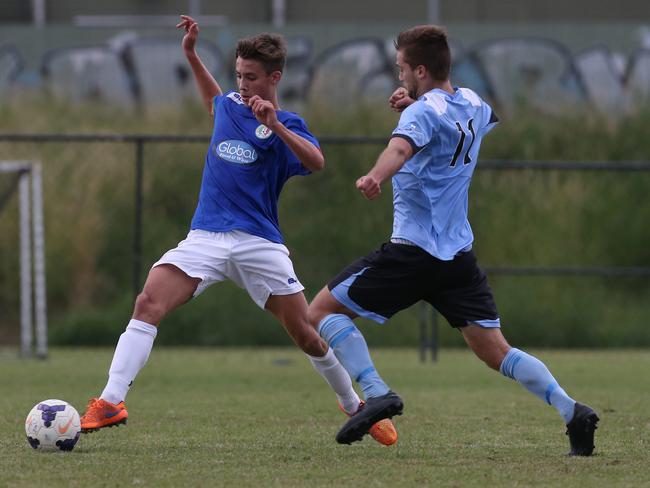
x=375, y=409
x=581, y=430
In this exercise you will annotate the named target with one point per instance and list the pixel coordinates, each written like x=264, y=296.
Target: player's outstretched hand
x=263, y=110
x=191, y=28
x=400, y=99
x=369, y=187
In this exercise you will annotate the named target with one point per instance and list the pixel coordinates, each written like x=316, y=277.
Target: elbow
x=321, y=164
x=316, y=164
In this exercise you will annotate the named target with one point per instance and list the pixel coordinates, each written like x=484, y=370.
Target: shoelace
x=90, y=410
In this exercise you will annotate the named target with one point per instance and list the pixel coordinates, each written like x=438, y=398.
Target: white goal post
x=33, y=308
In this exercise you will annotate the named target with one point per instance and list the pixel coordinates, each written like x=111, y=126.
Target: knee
x=148, y=309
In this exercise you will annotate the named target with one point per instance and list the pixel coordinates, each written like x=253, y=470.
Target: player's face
x=252, y=79
x=407, y=76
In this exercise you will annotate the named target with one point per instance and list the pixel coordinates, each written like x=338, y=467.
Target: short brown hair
x=426, y=45
x=268, y=49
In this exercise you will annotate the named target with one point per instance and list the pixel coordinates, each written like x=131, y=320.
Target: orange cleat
x=383, y=431
x=100, y=414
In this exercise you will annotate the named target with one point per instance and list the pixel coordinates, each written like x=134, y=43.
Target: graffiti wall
x=143, y=72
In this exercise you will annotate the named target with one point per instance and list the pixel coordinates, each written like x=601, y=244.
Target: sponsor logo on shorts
x=292, y=280
x=236, y=152
x=263, y=132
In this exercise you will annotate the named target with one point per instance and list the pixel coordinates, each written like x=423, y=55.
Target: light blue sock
x=352, y=352
x=536, y=378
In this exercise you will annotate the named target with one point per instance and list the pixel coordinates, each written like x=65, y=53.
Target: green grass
x=262, y=417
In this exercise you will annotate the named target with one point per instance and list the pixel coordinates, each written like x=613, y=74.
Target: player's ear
x=420, y=71
x=275, y=77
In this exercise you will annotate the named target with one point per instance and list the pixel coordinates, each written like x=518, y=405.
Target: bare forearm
x=307, y=153
x=389, y=162
x=207, y=85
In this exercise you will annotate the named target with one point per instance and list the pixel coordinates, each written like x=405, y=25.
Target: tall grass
x=519, y=218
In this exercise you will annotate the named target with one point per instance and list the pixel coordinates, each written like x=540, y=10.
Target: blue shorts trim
x=487, y=324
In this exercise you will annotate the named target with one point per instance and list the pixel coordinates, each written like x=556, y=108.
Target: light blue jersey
x=430, y=190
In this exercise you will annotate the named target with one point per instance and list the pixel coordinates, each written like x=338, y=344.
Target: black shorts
x=396, y=276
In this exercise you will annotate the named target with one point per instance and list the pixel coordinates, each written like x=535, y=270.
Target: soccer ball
x=53, y=425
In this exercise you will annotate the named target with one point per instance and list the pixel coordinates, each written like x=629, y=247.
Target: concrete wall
x=574, y=11
x=606, y=64
x=358, y=11
x=142, y=69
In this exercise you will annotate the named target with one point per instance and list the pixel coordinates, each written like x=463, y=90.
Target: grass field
x=253, y=417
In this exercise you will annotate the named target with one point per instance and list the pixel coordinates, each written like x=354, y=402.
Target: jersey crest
x=263, y=132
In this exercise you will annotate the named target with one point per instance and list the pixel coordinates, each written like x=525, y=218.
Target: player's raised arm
x=307, y=153
x=389, y=162
x=208, y=86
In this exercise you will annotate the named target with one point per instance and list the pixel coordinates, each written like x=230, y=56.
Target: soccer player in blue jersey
x=431, y=157
x=255, y=149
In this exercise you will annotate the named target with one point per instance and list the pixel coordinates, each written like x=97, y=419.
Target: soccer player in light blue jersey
x=235, y=234
x=430, y=158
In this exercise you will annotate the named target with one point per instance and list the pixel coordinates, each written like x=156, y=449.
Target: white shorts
x=260, y=266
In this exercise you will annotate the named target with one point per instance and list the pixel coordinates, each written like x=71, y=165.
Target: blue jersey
x=245, y=170
x=430, y=190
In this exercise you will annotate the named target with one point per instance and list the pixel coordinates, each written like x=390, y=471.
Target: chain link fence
x=565, y=243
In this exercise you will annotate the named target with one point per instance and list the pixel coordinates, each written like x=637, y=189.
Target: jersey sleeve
x=216, y=100
x=298, y=126
x=489, y=117
x=417, y=125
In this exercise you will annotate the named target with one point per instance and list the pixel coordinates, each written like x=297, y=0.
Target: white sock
x=130, y=356
x=338, y=378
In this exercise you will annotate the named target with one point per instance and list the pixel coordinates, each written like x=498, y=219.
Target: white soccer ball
x=53, y=425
